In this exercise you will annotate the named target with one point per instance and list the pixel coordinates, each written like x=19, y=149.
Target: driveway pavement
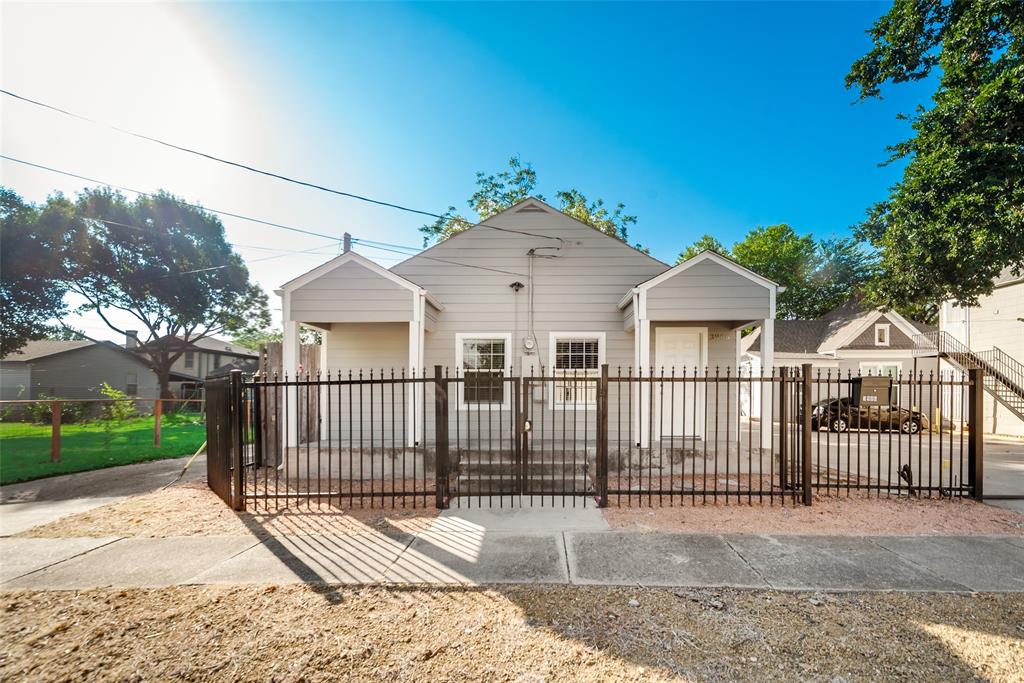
x=25, y=505
x=470, y=555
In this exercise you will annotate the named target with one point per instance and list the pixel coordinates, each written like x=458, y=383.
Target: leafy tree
x=705, y=243
x=31, y=271
x=164, y=263
x=497, y=192
x=956, y=219
x=255, y=338
x=778, y=253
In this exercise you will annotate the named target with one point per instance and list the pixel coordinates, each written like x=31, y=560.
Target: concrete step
x=482, y=485
x=533, y=468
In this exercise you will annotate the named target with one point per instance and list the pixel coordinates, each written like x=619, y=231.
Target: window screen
x=483, y=365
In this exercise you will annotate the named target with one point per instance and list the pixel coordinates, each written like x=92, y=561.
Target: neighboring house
x=990, y=336
x=73, y=369
x=199, y=359
x=531, y=290
x=847, y=341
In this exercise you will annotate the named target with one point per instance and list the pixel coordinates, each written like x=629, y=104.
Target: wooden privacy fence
x=57, y=409
x=387, y=438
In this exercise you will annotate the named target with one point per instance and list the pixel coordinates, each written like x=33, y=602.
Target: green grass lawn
x=25, y=448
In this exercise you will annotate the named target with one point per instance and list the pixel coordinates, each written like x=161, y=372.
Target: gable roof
x=210, y=344
x=833, y=330
x=47, y=348
x=714, y=257
x=41, y=348
x=375, y=268
x=530, y=204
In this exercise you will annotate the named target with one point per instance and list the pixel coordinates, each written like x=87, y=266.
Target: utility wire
x=440, y=260
x=262, y=222
x=151, y=194
x=253, y=169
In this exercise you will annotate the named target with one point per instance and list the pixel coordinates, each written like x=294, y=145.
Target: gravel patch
x=856, y=516
x=194, y=510
x=518, y=633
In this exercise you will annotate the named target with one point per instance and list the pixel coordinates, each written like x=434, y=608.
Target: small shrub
x=120, y=408
x=41, y=412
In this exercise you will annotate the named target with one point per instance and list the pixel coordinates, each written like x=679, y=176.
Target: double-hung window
x=576, y=360
x=484, y=361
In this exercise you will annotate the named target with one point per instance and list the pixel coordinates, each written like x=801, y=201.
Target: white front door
x=680, y=349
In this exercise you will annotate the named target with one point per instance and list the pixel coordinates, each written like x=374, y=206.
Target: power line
x=150, y=194
x=441, y=260
x=253, y=169
x=372, y=245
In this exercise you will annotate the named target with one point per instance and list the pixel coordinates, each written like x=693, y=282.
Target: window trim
x=460, y=338
x=553, y=338
x=886, y=327
x=189, y=360
x=869, y=366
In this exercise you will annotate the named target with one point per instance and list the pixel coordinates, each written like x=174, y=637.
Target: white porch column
x=643, y=418
x=290, y=368
x=767, y=368
x=415, y=429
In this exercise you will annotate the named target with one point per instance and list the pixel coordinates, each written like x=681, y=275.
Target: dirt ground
x=526, y=633
x=832, y=515
x=192, y=510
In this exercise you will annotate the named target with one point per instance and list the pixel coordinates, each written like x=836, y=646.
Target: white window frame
x=553, y=338
x=874, y=367
x=883, y=327
x=460, y=339
x=189, y=360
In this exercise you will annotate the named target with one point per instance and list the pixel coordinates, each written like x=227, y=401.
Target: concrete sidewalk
x=456, y=551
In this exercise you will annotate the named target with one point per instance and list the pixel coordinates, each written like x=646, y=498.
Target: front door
x=680, y=349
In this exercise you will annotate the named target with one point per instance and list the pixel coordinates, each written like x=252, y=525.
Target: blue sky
x=701, y=118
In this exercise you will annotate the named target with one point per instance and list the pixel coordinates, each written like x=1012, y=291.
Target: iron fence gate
x=388, y=439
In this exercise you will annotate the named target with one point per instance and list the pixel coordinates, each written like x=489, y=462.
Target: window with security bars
x=483, y=365
x=576, y=358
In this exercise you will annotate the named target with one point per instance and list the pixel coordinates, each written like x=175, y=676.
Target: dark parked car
x=841, y=414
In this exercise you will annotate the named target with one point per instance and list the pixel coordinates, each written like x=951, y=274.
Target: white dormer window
x=881, y=335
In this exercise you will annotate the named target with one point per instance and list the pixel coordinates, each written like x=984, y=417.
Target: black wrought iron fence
x=387, y=439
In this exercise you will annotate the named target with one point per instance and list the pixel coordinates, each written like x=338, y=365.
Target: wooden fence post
x=440, y=439
x=976, y=441
x=55, y=431
x=805, y=428
x=158, y=406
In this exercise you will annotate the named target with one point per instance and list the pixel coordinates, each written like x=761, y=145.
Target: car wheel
x=910, y=427
x=838, y=424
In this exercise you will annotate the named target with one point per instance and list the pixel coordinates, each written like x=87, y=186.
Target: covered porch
x=687, y=323
x=371, y=321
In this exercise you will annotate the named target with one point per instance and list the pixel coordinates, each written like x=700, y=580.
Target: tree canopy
x=498, y=191
x=165, y=263
x=32, y=270
x=817, y=275
x=956, y=219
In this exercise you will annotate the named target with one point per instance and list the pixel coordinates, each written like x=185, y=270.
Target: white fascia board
x=626, y=298
x=715, y=258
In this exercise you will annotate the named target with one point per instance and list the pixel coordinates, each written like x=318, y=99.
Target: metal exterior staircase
x=1004, y=375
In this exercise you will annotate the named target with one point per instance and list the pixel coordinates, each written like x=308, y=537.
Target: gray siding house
x=529, y=291
x=73, y=369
